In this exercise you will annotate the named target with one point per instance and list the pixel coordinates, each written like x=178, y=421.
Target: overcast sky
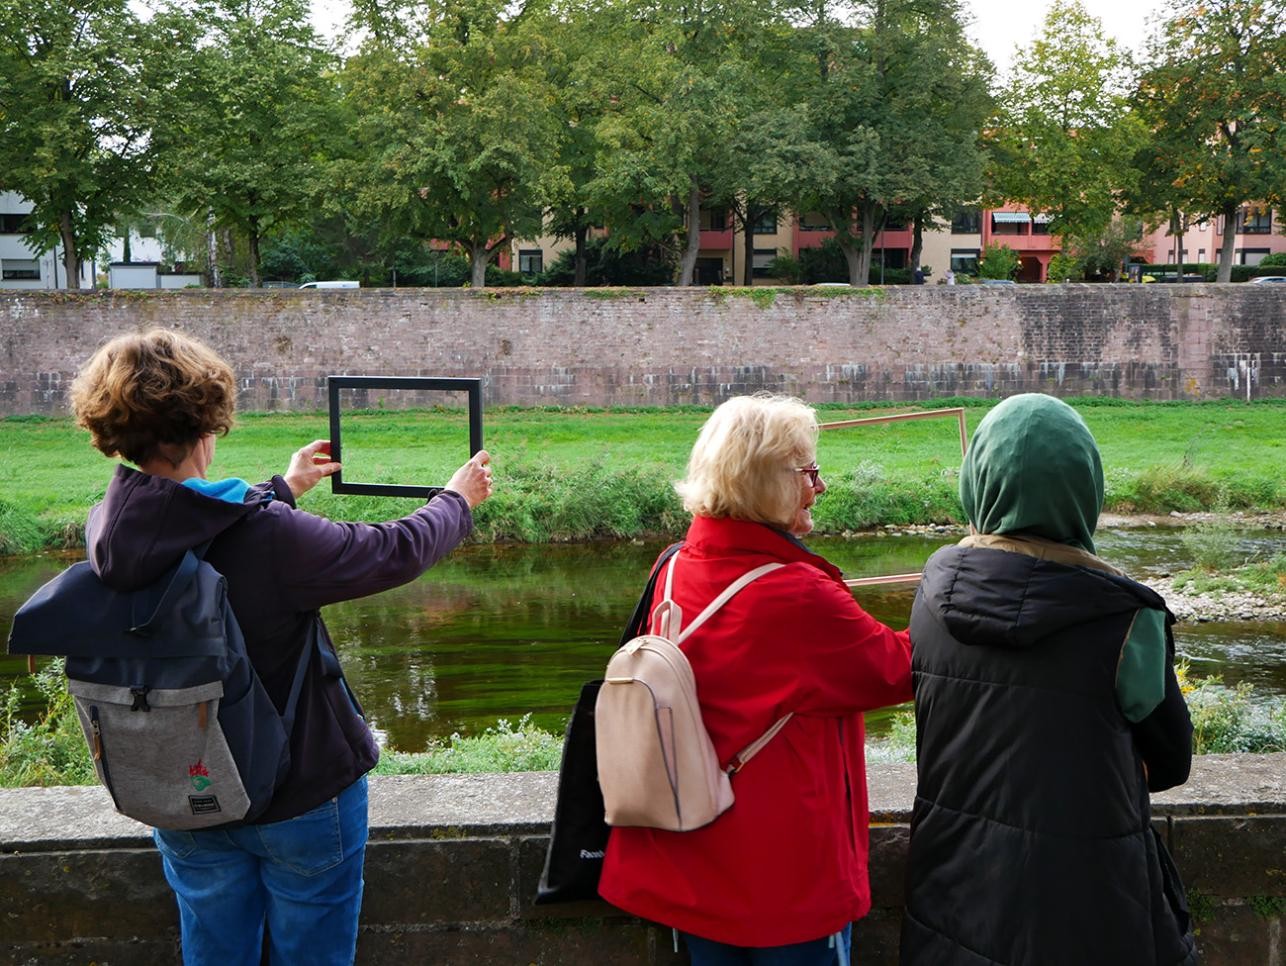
x=999, y=25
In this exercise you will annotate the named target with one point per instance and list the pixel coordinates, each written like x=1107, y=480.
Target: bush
x=502, y=748
x=52, y=751
x=607, y=265
x=1275, y=260
x=1227, y=720
x=998, y=261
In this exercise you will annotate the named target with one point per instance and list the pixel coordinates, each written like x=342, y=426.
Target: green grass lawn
x=576, y=474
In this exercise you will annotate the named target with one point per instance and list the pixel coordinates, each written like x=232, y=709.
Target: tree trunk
x=125, y=246
x=748, y=234
x=867, y=211
x=688, y=264
x=212, y=251
x=478, y=258
x=917, y=242
x=1229, y=243
x=579, y=271
x=253, y=239
x=71, y=257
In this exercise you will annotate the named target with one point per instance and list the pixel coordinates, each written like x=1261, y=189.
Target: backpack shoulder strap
x=728, y=593
x=745, y=754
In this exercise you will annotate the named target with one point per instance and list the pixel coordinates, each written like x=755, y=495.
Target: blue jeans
x=827, y=951
x=302, y=876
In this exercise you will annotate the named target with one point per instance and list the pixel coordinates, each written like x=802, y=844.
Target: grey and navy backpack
x=182, y=731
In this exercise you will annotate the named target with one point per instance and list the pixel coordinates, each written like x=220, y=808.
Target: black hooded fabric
x=1031, y=835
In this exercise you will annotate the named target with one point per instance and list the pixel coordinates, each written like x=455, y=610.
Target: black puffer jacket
x=1031, y=837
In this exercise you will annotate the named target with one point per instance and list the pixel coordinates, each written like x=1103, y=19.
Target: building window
x=894, y=224
x=1040, y=224
x=714, y=219
x=814, y=221
x=964, y=261
x=1201, y=255
x=13, y=269
x=1252, y=222
x=1251, y=256
x=531, y=261
x=766, y=224
x=888, y=257
x=13, y=223
x=761, y=260
x=968, y=221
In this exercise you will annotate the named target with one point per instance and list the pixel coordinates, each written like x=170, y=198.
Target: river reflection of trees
x=495, y=631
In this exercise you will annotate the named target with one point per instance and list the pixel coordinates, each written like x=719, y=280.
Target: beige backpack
x=656, y=763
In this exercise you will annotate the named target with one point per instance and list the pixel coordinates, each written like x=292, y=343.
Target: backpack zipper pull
x=140, y=699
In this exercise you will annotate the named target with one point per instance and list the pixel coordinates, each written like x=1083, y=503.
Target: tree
x=998, y=261
x=1097, y=258
x=1214, y=102
x=78, y=94
x=682, y=86
x=454, y=141
x=897, y=97
x=1065, y=138
x=250, y=119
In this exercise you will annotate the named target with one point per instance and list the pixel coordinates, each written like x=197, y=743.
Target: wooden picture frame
x=956, y=411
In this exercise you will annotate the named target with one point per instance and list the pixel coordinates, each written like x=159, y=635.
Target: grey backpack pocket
x=187, y=781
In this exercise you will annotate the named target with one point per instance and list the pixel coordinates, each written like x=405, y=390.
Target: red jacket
x=787, y=863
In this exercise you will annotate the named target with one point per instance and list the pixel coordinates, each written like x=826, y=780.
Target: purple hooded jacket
x=281, y=566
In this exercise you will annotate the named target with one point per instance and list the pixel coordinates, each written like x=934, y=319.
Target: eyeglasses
x=814, y=473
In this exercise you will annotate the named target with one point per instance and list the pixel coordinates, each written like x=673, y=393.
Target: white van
x=340, y=283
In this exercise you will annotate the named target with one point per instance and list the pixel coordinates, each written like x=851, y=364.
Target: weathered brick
x=669, y=346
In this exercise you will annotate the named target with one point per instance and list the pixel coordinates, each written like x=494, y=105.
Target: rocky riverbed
x=1187, y=604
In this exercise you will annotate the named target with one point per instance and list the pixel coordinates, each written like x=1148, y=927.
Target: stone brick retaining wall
x=659, y=347
x=453, y=864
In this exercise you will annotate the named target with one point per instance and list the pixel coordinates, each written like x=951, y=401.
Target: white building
x=21, y=267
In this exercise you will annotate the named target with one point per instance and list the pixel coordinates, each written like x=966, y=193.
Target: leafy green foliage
x=1065, y=139
x=50, y=751
x=256, y=110
x=607, y=264
x=1212, y=101
x=502, y=748
x=80, y=86
x=438, y=150
x=1229, y=720
x=998, y=261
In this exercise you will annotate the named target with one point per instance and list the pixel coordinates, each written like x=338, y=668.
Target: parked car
x=337, y=283
x=996, y=281
x=1267, y=279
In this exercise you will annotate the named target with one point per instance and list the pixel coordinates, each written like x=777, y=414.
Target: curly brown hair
x=154, y=394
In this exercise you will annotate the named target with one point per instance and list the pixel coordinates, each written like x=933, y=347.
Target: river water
x=497, y=631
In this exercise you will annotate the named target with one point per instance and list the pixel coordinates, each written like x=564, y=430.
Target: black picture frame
x=430, y=383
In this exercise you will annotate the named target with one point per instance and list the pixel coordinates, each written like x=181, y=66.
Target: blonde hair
x=153, y=394
x=740, y=466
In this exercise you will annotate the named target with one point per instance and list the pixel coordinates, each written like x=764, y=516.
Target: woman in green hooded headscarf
x=1046, y=709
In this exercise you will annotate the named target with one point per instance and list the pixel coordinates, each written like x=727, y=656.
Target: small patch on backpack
x=204, y=804
x=199, y=776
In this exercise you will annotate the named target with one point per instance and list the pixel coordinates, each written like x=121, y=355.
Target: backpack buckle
x=140, y=699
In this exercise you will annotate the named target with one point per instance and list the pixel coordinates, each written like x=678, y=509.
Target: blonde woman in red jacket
x=780, y=876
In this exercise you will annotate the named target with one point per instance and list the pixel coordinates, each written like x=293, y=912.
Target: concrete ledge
x=454, y=859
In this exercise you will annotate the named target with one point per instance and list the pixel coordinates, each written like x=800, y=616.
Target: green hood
x=1033, y=467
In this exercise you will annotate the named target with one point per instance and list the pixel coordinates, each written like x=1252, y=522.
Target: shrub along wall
x=454, y=860
x=656, y=347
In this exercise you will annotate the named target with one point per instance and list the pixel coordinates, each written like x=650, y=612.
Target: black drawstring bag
x=578, y=838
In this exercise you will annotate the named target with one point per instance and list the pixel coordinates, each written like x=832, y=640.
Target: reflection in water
x=497, y=631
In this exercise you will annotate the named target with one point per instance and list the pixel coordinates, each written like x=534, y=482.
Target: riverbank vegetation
x=51, y=750
x=583, y=474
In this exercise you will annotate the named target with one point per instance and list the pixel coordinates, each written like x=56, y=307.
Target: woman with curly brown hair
x=158, y=400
